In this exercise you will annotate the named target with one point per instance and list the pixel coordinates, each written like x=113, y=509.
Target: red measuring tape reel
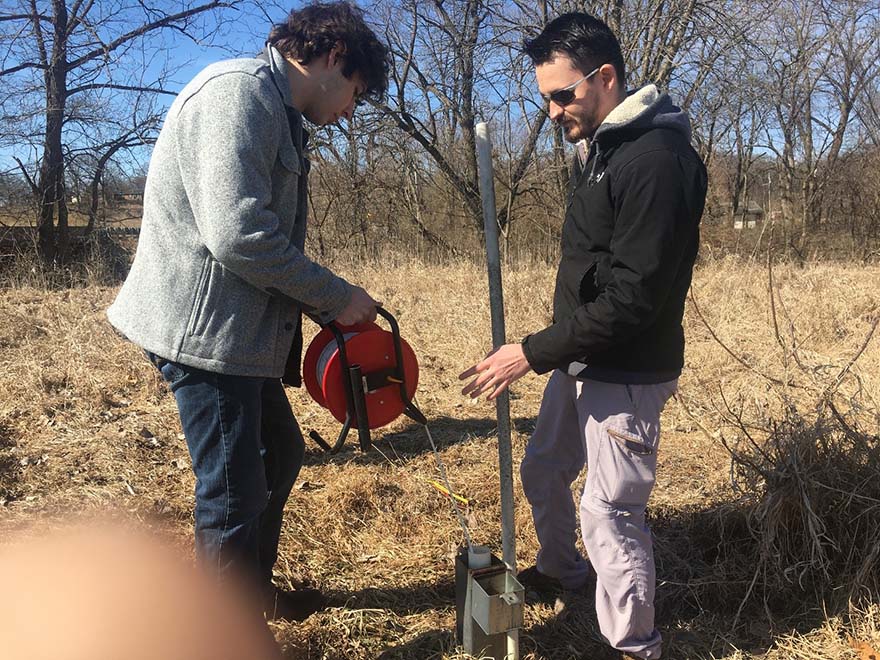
x=350, y=369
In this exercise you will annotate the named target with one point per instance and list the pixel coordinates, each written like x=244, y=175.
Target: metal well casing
x=497, y=601
x=488, y=609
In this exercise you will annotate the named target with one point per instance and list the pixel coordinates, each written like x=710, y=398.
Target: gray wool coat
x=219, y=278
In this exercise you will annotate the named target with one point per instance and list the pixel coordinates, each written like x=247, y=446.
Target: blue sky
x=242, y=33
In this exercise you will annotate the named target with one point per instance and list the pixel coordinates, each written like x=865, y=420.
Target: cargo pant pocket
x=627, y=464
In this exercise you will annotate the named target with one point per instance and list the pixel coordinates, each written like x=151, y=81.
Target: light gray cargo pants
x=615, y=430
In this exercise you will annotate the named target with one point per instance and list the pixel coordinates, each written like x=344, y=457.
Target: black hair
x=585, y=39
x=315, y=29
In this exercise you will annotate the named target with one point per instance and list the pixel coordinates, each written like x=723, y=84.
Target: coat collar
x=280, y=67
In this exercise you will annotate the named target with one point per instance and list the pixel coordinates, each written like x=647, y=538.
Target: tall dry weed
x=97, y=261
x=800, y=421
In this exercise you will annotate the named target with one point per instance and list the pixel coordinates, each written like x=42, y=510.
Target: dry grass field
x=775, y=566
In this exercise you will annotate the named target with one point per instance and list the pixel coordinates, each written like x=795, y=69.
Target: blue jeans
x=247, y=450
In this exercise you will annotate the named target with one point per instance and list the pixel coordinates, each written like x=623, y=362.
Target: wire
x=461, y=519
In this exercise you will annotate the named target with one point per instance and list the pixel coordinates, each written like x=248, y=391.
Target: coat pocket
x=206, y=295
x=199, y=296
x=602, y=277
x=588, y=289
x=287, y=186
x=290, y=160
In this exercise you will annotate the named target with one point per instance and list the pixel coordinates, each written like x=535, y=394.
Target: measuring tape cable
x=462, y=521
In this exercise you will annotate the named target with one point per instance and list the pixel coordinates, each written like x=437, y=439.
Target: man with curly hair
x=220, y=279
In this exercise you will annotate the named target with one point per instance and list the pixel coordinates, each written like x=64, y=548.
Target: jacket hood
x=643, y=109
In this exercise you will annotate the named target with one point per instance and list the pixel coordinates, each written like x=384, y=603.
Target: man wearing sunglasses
x=220, y=277
x=616, y=344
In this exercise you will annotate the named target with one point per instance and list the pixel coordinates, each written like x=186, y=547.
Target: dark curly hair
x=316, y=28
x=585, y=39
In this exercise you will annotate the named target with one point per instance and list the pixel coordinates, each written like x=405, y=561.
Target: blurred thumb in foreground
x=98, y=593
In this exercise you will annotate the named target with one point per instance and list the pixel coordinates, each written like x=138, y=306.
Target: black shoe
x=533, y=579
x=541, y=586
x=295, y=605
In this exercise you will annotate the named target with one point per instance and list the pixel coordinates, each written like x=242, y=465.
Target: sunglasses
x=564, y=96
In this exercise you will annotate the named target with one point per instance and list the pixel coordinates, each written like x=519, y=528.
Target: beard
x=573, y=131
x=580, y=123
x=577, y=129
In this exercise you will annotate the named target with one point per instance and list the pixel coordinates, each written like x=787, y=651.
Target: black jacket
x=629, y=242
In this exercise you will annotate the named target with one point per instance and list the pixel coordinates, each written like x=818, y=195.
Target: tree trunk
x=51, y=183
x=470, y=34
x=93, y=198
x=98, y=177
x=62, y=233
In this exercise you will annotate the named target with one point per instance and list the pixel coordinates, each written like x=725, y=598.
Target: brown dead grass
x=86, y=425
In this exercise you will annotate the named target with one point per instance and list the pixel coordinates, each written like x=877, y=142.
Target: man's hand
x=496, y=372
x=360, y=309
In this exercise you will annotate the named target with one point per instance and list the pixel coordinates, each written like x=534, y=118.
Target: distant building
x=748, y=216
x=137, y=198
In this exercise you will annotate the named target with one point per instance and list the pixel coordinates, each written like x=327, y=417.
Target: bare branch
x=127, y=88
x=31, y=17
x=22, y=67
x=826, y=395
x=27, y=176
x=164, y=22
x=726, y=348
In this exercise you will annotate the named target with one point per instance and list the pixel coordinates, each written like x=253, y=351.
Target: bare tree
x=434, y=45
x=822, y=59
x=853, y=50
x=77, y=56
